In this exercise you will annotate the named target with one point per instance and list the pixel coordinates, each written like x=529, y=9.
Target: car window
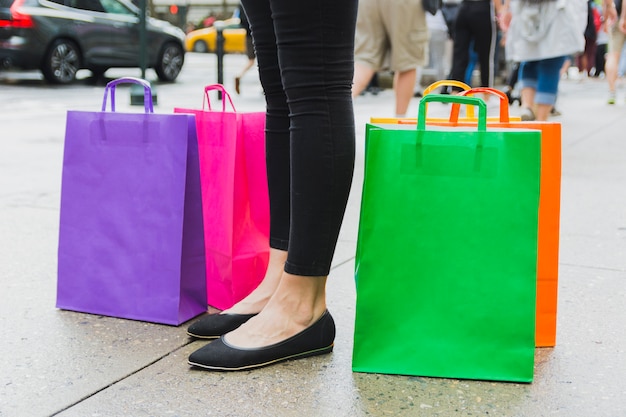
x=6, y=3
x=115, y=7
x=91, y=5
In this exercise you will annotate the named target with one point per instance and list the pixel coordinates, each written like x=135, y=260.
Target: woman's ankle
x=258, y=298
x=301, y=297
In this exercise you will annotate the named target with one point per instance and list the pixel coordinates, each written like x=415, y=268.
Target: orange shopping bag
x=549, y=211
x=549, y=201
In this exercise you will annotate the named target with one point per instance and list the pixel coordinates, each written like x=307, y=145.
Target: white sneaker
x=527, y=114
x=611, y=99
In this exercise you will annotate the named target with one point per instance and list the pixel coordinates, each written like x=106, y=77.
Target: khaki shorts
x=391, y=34
x=616, y=39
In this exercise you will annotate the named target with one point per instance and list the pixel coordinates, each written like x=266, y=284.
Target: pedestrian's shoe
x=554, y=112
x=219, y=355
x=215, y=325
x=527, y=114
x=611, y=99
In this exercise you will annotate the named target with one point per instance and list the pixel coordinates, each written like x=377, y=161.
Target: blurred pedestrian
x=475, y=30
x=439, y=57
x=585, y=61
x=601, y=44
x=450, y=10
x=615, y=21
x=393, y=29
x=243, y=22
x=541, y=34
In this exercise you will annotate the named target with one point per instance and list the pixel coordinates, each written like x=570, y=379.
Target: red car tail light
x=18, y=19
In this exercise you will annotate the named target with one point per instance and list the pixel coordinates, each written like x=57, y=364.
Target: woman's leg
x=310, y=151
x=277, y=153
x=547, y=86
x=528, y=81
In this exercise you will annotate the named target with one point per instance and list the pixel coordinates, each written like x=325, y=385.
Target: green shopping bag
x=447, y=250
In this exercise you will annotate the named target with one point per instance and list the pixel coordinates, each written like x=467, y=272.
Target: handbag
x=235, y=198
x=432, y=6
x=448, y=239
x=130, y=234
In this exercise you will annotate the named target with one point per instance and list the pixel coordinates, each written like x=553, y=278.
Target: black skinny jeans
x=305, y=53
x=475, y=20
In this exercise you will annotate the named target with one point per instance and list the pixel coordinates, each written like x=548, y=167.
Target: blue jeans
x=543, y=77
x=305, y=54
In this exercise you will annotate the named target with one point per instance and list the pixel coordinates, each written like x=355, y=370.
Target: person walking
x=243, y=22
x=305, y=54
x=585, y=61
x=394, y=30
x=541, y=34
x=475, y=29
x=615, y=22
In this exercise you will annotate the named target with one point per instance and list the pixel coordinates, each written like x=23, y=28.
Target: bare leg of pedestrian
x=362, y=76
x=403, y=84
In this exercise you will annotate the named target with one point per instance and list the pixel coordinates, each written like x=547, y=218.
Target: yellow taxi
x=205, y=39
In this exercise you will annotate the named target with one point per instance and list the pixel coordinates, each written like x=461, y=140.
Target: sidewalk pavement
x=61, y=363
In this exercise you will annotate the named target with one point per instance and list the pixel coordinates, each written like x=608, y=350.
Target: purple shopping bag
x=131, y=239
x=235, y=198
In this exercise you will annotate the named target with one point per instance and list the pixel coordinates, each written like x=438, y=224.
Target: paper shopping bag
x=549, y=214
x=235, y=198
x=130, y=236
x=448, y=242
x=549, y=205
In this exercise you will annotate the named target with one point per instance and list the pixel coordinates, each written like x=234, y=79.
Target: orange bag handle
x=504, y=103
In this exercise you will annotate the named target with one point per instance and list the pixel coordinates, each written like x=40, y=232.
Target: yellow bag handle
x=451, y=83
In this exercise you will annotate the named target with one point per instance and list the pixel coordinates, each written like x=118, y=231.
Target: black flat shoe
x=215, y=325
x=314, y=340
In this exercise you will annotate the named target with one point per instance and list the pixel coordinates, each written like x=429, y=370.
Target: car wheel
x=200, y=46
x=62, y=62
x=170, y=62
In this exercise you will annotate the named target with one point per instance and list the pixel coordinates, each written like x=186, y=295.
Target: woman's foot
x=317, y=339
x=294, y=324
x=218, y=324
x=297, y=303
x=259, y=297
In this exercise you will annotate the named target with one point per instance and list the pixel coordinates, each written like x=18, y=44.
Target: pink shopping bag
x=235, y=198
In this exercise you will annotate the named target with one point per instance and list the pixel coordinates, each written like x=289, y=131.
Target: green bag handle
x=449, y=98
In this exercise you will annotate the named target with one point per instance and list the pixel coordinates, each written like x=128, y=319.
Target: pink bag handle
x=222, y=90
x=147, y=92
x=504, y=103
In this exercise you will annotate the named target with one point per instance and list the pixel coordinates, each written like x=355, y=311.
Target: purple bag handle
x=222, y=90
x=147, y=96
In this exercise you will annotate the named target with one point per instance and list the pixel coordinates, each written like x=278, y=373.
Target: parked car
x=205, y=39
x=60, y=37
